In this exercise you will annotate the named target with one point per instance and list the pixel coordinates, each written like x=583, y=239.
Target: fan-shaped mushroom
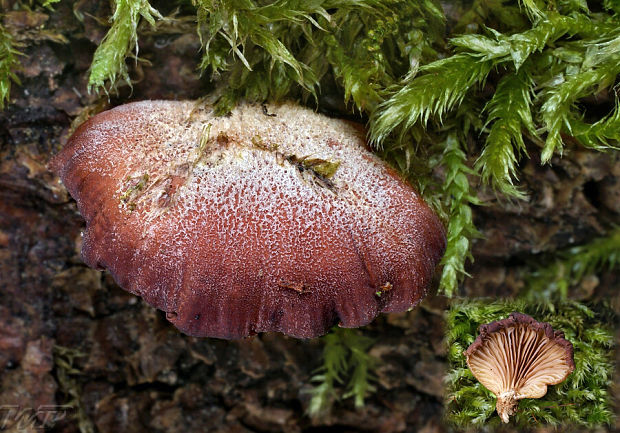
x=274, y=218
x=517, y=358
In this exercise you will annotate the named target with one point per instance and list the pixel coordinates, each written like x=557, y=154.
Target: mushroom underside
x=518, y=358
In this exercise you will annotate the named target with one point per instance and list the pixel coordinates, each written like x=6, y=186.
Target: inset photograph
x=526, y=364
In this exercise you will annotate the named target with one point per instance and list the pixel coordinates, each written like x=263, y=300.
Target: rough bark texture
x=127, y=369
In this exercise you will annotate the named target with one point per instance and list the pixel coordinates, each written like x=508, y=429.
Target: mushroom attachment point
x=517, y=358
x=250, y=222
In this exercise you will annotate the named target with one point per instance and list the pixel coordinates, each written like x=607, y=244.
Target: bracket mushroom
x=517, y=358
x=247, y=223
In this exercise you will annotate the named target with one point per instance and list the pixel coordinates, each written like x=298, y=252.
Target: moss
x=9, y=64
x=131, y=194
x=67, y=375
x=345, y=354
x=257, y=141
x=552, y=279
x=108, y=64
x=321, y=169
x=383, y=289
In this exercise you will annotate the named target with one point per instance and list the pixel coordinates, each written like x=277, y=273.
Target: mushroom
x=273, y=218
x=517, y=358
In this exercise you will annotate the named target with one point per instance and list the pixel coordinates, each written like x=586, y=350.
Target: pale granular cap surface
x=273, y=218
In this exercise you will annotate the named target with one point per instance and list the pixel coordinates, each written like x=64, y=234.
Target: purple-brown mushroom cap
x=264, y=220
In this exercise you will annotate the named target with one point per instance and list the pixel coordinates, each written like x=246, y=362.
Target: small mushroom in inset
x=517, y=358
x=251, y=222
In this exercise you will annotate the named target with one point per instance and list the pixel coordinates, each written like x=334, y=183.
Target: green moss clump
x=67, y=375
x=136, y=184
x=9, y=63
x=568, y=267
x=108, y=64
x=345, y=354
x=582, y=400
